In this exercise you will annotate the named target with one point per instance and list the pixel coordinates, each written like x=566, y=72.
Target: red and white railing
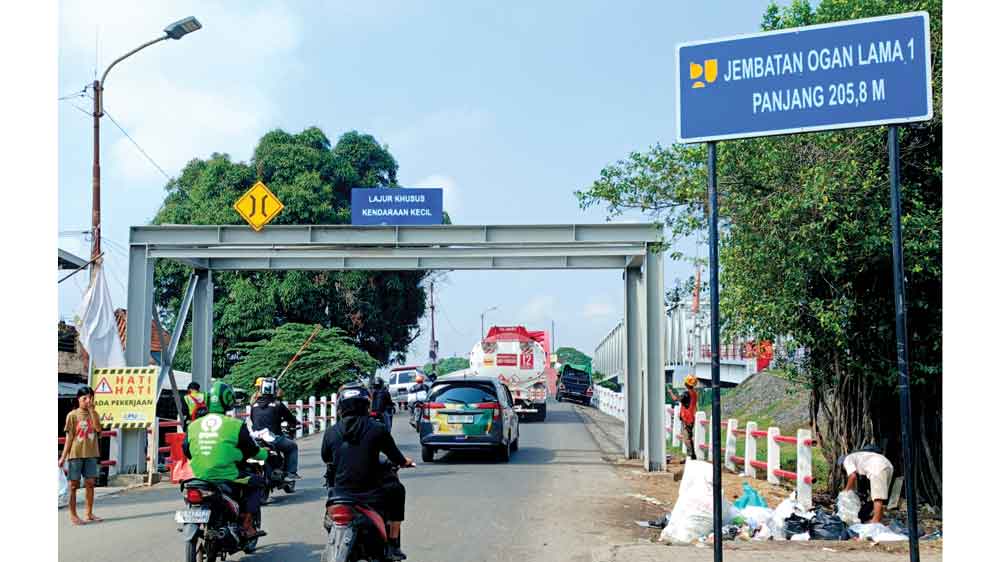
x=613, y=404
x=314, y=415
x=749, y=464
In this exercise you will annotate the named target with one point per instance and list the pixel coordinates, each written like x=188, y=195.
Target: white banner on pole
x=96, y=322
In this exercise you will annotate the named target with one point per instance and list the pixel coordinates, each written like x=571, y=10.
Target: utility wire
x=448, y=318
x=82, y=110
x=148, y=157
x=117, y=248
x=80, y=94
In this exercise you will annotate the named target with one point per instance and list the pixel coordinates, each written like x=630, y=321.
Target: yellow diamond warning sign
x=258, y=206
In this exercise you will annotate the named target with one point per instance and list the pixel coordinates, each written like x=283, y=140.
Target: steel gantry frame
x=628, y=247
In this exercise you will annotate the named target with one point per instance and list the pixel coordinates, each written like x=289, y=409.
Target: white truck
x=515, y=357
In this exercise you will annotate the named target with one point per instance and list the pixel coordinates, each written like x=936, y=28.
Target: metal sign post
x=855, y=73
x=713, y=258
x=902, y=346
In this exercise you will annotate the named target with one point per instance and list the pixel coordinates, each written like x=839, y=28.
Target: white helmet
x=269, y=386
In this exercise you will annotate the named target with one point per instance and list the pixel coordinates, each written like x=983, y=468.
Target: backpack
x=200, y=407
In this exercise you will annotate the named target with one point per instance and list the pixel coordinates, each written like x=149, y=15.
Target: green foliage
x=329, y=361
x=617, y=387
x=379, y=311
x=572, y=355
x=448, y=365
x=805, y=247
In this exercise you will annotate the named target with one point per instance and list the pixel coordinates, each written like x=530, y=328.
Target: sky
x=509, y=108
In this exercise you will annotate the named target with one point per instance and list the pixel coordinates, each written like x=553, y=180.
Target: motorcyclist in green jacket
x=217, y=443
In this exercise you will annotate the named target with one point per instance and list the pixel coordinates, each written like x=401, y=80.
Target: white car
x=400, y=379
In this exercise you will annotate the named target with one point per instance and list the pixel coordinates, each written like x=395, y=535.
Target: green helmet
x=221, y=398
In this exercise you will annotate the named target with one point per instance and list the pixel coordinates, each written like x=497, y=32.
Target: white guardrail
x=314, y=415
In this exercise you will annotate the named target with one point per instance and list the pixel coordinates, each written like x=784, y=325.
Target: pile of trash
x=749, y=517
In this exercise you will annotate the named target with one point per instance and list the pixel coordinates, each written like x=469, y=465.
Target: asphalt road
x=549, y=503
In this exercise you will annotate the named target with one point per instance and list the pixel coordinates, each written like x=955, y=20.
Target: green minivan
x=469, y=413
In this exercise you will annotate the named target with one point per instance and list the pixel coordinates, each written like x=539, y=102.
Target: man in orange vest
x=195, y=402
x=689, y=406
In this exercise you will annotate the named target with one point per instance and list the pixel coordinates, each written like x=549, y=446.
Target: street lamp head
x=182, y=27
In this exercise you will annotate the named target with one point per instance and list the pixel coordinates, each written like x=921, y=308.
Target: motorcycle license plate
x=192, y=515
x=460, y=419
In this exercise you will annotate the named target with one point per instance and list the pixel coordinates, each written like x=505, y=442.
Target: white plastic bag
x=785, y=509
x=763, y=534
x=756, y=517
x=63, y=487
x=691, y=517
x=800, y=537
x=848, y=507
x=877, y=532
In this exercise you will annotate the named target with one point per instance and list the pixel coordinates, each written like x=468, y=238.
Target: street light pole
x=482, y=322
x=175, y=30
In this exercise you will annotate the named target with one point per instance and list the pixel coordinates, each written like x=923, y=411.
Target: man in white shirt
x=877, y=469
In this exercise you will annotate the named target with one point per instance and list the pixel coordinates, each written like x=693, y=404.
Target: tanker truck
x=519, y=359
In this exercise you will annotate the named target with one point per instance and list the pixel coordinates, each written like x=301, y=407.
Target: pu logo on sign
x=710, y=70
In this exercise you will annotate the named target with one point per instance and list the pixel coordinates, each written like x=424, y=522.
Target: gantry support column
x=653, y=280
x=632, y=362
x=132, y=452
x=201, y=330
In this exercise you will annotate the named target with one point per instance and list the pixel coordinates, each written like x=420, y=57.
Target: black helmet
x=353, y=399
x=378, y=382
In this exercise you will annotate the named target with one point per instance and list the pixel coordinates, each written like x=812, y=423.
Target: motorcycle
x=272, y=470
x=210, y=525
x=356, y=531
x=416, y=402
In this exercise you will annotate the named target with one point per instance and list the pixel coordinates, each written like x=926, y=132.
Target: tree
x=805, y=251
x=379, y=311
x=448, y=365
x=329, y=361
x=572, y=355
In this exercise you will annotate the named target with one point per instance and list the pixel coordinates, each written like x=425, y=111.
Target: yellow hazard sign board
x=258, y=206
x=125, y=396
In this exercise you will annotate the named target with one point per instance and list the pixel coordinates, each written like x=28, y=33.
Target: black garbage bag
x=796, y=525
x=828, y=527
x=660, y=522
x=901, y=529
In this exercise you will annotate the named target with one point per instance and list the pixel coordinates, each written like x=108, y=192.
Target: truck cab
x=575, y=383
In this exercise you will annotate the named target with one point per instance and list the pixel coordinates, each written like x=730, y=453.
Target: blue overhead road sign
x=848, y=74
x=396, y=206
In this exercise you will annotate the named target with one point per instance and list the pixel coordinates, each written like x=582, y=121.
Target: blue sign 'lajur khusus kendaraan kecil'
x=847, y=74
x=396, y=206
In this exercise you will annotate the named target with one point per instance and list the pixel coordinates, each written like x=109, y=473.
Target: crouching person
x=877, y=469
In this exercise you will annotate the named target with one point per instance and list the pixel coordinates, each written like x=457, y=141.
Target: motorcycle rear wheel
x=194, y=551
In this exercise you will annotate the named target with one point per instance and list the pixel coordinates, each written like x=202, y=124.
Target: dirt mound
x=768, y=400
